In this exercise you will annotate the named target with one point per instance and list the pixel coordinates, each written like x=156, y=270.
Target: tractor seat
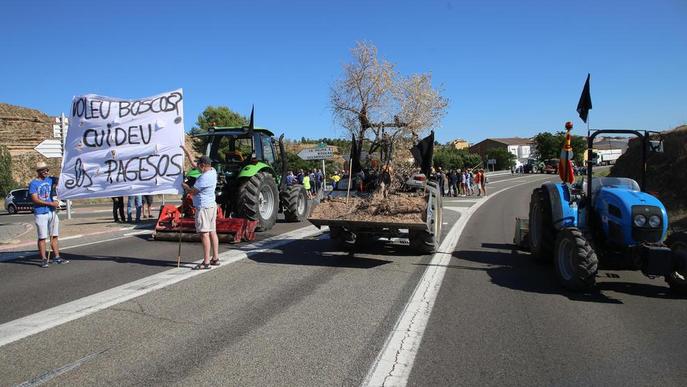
x=234, y=157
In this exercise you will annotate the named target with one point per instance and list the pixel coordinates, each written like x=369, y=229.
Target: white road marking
x=394, y=362
x=49, y=318
x=71, y=237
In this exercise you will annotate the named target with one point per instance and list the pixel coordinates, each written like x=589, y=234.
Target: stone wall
x=21, y=130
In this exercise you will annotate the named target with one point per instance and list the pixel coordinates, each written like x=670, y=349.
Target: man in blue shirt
x=203, y=193
x=47, y=222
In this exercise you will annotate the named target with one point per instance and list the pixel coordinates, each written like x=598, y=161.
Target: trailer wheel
x=541, y=231
x=677, y=280
x=258, y=200
x=294, y=201
x=421, y=241
x=576, y=262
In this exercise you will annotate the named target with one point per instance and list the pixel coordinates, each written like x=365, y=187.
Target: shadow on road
x=324, y=252
x=515, y=270
x=34, y=260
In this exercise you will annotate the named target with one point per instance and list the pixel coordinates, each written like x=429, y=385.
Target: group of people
x=458, y=182
x=134, y=203
x=311, y=180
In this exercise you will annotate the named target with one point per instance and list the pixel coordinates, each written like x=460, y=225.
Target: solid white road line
x=38, y=322
x=394, y=362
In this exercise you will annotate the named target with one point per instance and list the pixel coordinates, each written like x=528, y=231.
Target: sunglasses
x=44, y=170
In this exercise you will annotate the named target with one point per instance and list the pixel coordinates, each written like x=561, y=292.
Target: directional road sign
x=50, y=148
x=319, y=153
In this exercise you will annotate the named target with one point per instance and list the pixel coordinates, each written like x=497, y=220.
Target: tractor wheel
x=677, y=280
x=257, y=200
x=12, y=209
x=541, y=232
x=421, y=241
x=294, y=201
x=576, y=262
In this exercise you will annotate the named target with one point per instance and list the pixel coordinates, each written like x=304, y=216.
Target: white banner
x=117, y=147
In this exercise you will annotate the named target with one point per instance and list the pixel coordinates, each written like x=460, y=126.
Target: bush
x=7, y=183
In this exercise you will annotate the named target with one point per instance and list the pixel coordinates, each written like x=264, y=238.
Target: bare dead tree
x=376, y=103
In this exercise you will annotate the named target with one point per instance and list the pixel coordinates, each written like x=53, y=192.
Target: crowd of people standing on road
x=140, y=205
x=311, y=180
x=461, y=182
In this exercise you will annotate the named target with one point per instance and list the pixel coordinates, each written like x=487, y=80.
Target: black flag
x=423, y=154
x=585, y=104
x=251, y=125
x=355, y=156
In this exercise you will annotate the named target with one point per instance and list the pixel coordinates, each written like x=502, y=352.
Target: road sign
x=50, y=148
x=319, y=153
x=491, y=162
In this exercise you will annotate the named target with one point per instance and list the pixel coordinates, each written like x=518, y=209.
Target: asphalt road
x=500, y=319
x=308, y=313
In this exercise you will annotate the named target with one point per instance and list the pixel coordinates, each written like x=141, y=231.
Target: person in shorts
x=203, y=193
x=147, y=204
x=45, y=214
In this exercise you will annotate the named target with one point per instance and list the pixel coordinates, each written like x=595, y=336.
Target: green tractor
x=251, y=171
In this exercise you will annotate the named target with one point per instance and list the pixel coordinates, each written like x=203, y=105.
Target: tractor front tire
x=257, y=200
x=677, y=280
x=12, y=209
x=294, y=201
x=541, y=233
x=576, y=263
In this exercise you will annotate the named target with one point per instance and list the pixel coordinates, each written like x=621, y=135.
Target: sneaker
x=45, y=263
x=59, y=260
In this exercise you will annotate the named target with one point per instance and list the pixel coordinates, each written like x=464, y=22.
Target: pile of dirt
x=395, y=208
x=664, y=172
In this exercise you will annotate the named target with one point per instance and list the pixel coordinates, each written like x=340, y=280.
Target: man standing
x=118, y=209
x=147, y=204
x=44, y=214
x=203, y=192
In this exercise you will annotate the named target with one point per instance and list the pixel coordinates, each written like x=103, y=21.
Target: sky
x=508, y=68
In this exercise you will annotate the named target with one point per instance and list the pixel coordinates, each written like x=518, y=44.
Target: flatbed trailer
x=424, y=236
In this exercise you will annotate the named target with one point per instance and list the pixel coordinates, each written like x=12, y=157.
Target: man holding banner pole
x=45, y=216
x=203, y=193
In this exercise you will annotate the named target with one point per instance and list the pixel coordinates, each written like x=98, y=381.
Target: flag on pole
x=585, y=103
x=423, y=154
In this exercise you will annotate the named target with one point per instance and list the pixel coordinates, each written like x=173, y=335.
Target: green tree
x=7, y=183
x=549, y=145
x=504, y=159
x=214, y=116
x=448, y=157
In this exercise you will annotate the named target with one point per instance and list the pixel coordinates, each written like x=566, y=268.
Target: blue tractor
x=607, y=219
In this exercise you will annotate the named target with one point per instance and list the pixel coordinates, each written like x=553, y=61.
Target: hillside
x=664, y=173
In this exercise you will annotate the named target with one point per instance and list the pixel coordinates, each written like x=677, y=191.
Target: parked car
x=20, y=200
x=551, y=166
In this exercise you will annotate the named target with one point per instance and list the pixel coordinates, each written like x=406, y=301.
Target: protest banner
x=118, y=147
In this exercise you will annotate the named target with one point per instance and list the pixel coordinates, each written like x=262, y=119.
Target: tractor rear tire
x=576, y=263
x=541, y=232
x=294, y=201
x=257, y=200
x=677, y=280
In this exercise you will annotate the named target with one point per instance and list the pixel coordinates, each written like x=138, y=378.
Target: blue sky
x=509, y=68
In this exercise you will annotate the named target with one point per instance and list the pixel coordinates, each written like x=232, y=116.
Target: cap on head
x=41, y=165
x=204, y=160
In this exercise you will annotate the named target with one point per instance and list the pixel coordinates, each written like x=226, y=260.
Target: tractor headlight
x=639, y=220
x=654, y=221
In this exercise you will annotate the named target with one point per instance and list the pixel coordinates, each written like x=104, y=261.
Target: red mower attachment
x=178, y=222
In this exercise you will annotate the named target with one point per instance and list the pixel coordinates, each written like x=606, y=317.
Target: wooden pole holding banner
x=179, y=251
